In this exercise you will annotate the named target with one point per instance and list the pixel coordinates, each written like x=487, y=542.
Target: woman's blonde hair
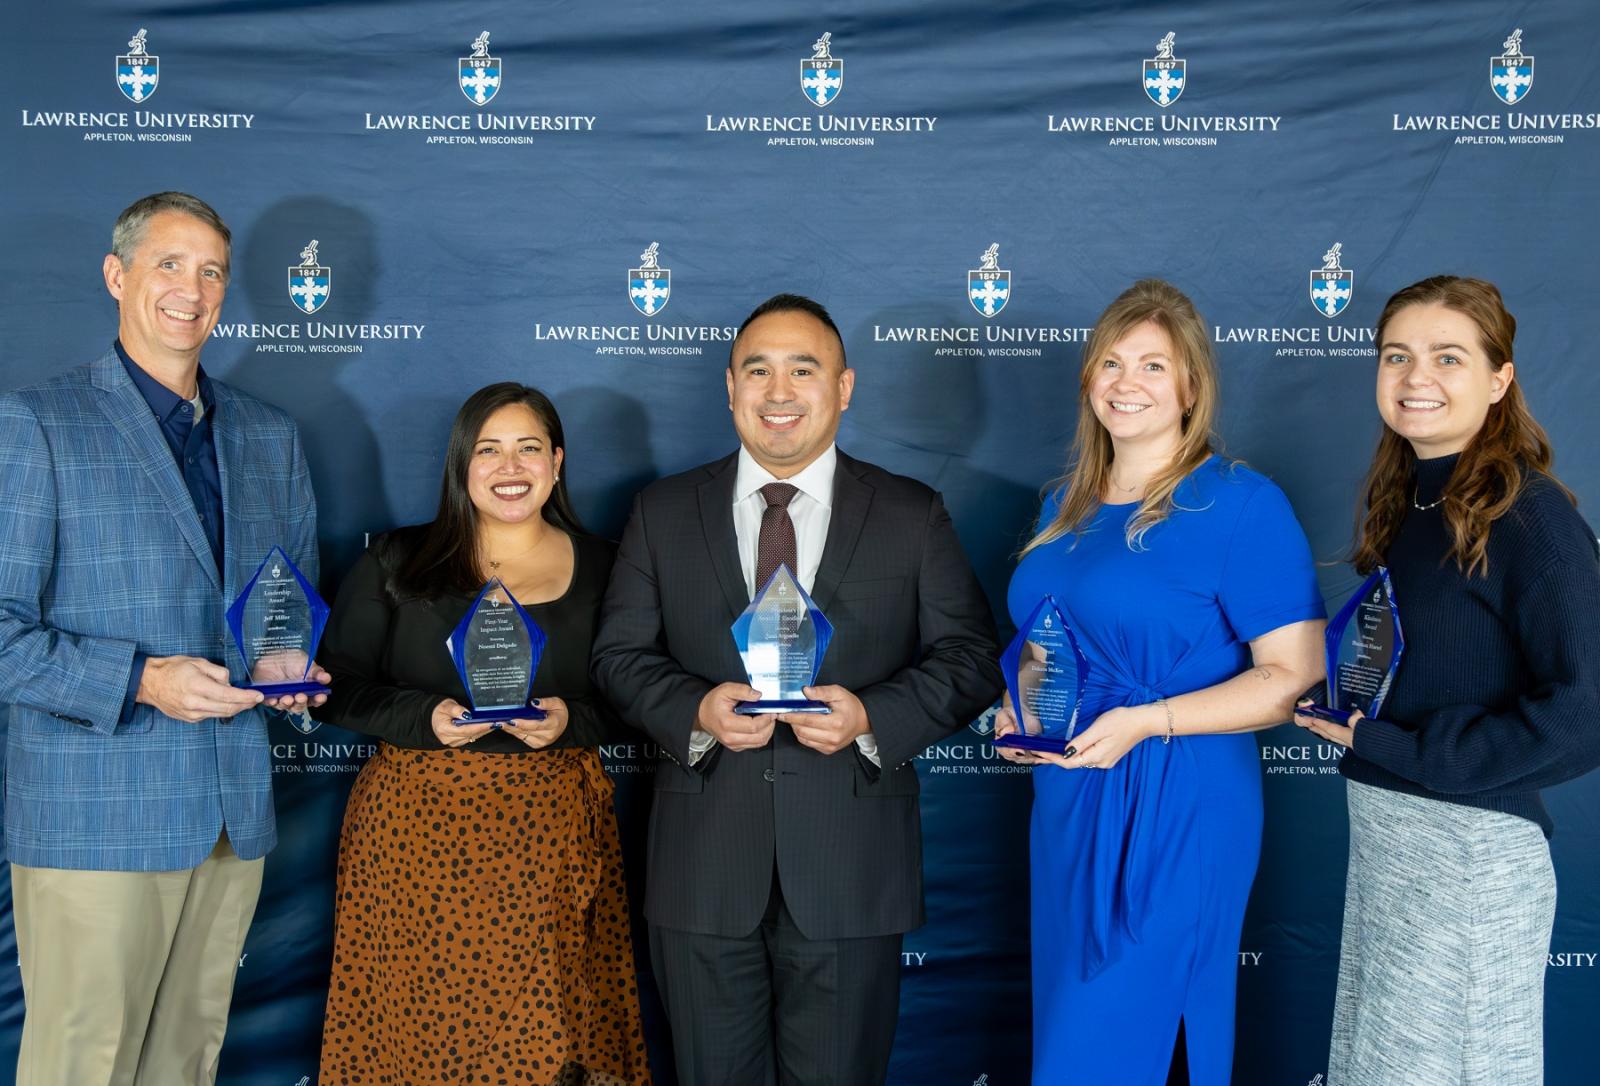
x=1084, y=483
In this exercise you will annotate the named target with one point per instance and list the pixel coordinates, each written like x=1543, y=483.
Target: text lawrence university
x=483, y=122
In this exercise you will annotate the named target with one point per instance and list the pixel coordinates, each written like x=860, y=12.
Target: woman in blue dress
x=1191, y=590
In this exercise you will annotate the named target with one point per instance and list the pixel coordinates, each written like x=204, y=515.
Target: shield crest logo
x=1164, y=80
x=989, y=285
x=984, y=725
x=989, y=291
x=303, y=722
x=821, y=80
x=309, y=282
x=649, y=289
x=1163, y=76
x=309, y=286
x=1511, y=78
x=137, y=76
x=821, y=75
x=478, y=75
x=1331, y=290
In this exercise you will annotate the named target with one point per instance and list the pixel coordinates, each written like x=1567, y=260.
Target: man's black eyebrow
x=752, y=359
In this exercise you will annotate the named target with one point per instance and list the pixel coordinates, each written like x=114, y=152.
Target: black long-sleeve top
x=1498, y=690
x=390, y=666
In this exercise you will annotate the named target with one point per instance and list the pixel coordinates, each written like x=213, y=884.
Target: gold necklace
x=495, y=565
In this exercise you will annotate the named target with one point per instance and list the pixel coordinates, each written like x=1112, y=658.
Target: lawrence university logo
x=1331, y=285
x=649, y=289
x=989, y=289
x=821, y=75
x=310, y=286
x=1511, y=73
x=960, y=756
x=309, y=281
x=1330, y=290
x=1163, y=73
x=297, y=757
x=989, y=285
x=984, y=725
x=649, y=285
x=1317, y=758
x=1510, y=80
x=481, y=78
x=821, y=81
x=138, y=72
x=1162, y=80
x=479, y=73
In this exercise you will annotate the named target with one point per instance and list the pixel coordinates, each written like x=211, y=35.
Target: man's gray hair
x=128, y=233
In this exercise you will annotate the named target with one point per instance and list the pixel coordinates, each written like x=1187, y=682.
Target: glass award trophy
x=1364, y=646
x=496, y=649
x=277, y=623
x=1045, y=674
x=782, y=637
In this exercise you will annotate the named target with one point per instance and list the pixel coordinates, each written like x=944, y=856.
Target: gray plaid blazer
x=102, y=554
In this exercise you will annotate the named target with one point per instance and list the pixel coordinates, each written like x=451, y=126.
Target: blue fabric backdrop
x=460, y=243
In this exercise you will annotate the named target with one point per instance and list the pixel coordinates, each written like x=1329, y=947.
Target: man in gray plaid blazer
x=140, y=497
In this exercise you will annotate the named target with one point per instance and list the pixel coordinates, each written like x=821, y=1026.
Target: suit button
x=768, y=775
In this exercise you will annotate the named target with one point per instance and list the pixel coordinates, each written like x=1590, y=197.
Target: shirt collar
x=815, y=481
x=162, y=400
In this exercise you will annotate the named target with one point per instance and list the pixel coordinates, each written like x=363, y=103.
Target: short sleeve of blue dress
x=1116, y=928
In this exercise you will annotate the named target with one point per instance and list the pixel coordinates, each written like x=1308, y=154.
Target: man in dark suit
x=785, y=851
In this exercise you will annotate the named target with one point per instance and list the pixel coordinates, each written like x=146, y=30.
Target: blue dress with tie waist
x=1141, y=872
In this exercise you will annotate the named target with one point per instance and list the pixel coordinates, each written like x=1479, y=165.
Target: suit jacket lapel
x=716, y=518
x=851, y=500
x=130, y=414
x=231, y=452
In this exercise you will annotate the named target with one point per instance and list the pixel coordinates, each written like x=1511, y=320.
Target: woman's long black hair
x=445, y=558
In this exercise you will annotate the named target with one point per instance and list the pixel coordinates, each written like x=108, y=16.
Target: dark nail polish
x=1069, y=752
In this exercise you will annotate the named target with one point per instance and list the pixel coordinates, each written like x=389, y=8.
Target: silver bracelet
x=1165, y=739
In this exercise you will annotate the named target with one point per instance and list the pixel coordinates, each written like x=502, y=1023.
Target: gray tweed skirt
x=1447, y=917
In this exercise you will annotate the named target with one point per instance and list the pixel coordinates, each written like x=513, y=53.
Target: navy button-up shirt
x=194, y=448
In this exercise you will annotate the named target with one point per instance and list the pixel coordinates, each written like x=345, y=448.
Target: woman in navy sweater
x=1450, y=896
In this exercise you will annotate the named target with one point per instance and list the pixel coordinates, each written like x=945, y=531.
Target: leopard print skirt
x=481, y=928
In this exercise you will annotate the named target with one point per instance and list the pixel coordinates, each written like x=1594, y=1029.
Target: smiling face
x=1435, y=381
x=513, y=468
x=1135, y=390
x=787, y=386
x=170, y=291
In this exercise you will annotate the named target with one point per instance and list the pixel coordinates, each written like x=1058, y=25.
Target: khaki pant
x=127, y=975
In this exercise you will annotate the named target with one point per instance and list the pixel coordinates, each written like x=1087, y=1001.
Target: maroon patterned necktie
x=776, y=545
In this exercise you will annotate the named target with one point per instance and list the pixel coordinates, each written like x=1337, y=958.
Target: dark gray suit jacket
x=914, y=639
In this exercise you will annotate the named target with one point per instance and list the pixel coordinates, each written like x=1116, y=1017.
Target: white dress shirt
x=810, y=510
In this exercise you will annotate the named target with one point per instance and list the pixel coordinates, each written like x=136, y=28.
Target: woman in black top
x=1450, y=896
x=482, y=922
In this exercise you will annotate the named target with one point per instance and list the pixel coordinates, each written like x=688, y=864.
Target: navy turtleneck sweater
x=1498, y=692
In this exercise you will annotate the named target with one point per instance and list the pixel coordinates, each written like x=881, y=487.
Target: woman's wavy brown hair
x=1496, y=462
x=1083, y=485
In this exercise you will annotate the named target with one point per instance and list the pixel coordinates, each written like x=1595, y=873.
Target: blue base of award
x=289, y=690
x=1322, y=712
x=792, y=705
x=499, y=716
x=1046, y=743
